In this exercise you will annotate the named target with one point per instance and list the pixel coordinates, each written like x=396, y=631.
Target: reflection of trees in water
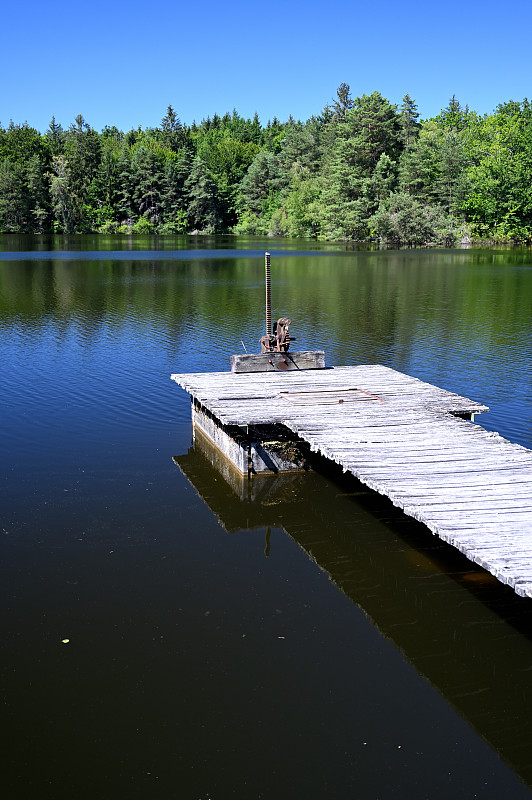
x=362, y=306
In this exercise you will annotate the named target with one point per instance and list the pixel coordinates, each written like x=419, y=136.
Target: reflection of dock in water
x=470, y=637
x=406, y=439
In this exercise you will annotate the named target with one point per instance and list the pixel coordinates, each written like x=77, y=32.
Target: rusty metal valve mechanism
x=274, y=354
x=278, y=340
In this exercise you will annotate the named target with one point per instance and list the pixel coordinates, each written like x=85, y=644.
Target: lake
x=170, y=631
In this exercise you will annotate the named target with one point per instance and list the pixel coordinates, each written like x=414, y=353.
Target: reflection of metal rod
x=250, y=455
x=267, y=548
x=268, y=296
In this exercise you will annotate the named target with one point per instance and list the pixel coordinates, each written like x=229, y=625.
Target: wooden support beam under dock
x=407, y=440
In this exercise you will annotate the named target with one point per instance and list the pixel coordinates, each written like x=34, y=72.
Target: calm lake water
x=297, y=638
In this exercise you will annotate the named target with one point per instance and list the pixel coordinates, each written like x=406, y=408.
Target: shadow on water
x=462, y=630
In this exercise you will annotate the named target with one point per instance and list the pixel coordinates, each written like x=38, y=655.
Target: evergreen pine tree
x=15, y=204
x=203, y=203
x=409, y=120
x=343, y=102
x=55, y=138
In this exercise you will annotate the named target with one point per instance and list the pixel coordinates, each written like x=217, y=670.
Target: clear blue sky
x=123, y=63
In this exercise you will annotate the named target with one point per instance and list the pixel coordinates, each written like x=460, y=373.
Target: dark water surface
x=294, y=638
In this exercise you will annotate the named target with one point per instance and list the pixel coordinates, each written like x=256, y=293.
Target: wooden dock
x=407, y=440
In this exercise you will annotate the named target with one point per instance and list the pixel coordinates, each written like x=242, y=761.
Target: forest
x=363, y=169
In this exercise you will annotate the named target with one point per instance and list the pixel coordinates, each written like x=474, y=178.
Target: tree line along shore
x=363, y=169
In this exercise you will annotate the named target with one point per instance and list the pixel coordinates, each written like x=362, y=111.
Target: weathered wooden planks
x=275, y=362
x=240, y=397
x=402, y=438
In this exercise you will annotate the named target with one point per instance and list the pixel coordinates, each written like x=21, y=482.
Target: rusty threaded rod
x=268, y=296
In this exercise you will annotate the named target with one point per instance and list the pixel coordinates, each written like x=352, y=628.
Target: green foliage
x=301, y=207
x=146, y=180
x=143, y=226
x=63, y=200
x=373, y=127
x=454, y=116
x=172, y=134
x=434, y=167
x=499, y=146
x=20, y=142
x=227, y=161
x=249, y=223
x=36, y=192
x=14, y=210
x=54, y=138
x=342, y=103
x=404, y=221
x=409, y=121
x=358, y=168
x=361, y=168
x=204, y=207
x=262, y=177
x=384, y=177
x=175, y=223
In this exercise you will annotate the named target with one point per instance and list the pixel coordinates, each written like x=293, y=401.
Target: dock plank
x=403, y=438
